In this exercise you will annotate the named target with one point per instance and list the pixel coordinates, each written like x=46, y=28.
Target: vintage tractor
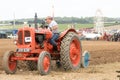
x=33, y=46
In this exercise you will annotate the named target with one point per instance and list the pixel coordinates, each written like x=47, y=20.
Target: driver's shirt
x=53, y=23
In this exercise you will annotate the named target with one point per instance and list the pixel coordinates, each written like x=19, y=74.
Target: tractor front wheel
x=71, y=51
x=44, y=63
x=9, y=65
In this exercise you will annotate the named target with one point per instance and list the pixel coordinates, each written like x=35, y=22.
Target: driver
x=53, y=26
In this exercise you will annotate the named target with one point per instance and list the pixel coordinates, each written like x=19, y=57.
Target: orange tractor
x=33, y=46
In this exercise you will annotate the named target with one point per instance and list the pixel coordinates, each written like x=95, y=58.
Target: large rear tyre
x=9, y=65
x=44, y=63
x=85, y=59
x=32, y=65
x=71, y=52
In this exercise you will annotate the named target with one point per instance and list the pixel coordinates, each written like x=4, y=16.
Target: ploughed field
x=102, y=52
x=105, y=60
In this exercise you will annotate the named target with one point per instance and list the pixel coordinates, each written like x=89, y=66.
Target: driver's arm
x=54, y=27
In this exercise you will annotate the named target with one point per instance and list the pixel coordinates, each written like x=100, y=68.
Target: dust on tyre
x=44, y=63
x=71, y=51
x=9, y=65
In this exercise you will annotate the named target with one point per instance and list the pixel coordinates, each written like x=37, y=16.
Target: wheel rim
x=75, y=52
x=12, y=63
x=46, y=63
x=86, y=59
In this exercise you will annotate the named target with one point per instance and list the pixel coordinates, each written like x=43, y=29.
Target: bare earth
x=105, y=61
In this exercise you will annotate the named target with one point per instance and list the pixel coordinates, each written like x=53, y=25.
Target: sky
x=68, y=8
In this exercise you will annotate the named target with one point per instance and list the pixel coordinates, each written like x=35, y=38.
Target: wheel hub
x=75, y=52
x=12, y=63
x=46, y=63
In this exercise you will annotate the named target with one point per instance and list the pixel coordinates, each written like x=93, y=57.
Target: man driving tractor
x=53, y=26
x=33, y=46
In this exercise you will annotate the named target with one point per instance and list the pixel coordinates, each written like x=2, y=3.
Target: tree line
x=65, y=20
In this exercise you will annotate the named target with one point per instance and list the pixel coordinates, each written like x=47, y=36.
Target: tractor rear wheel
x=71, y=51
x=32, y=65
x=44, y=63
x=9, y=65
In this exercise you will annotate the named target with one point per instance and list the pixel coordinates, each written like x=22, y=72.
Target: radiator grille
x=26, y=34
x=20, y=40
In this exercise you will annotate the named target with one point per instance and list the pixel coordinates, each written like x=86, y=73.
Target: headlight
x=15, y=42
